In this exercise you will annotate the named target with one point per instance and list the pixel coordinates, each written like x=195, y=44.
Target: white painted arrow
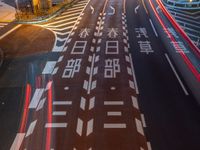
x=92, y=8
x=136, y=9
x=113, y=10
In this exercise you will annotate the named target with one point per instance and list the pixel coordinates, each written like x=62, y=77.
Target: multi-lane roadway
x=108, y=84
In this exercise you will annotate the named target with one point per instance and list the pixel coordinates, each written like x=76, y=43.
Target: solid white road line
x=10, y=31
x=36, y=98
x=31, y=128
x=143, y=121
x=139, y=126
x=18, y=141
x=134, y=77
x=90, y=127
x=176, y=74
x=114, y=113
x=153, y=27
x=113, y=103
x=62, y=102
x=59, y=113
x=55, y=125
x=79, y=127
x=114, y=125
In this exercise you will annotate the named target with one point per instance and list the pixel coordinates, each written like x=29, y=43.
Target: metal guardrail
x=195, y=5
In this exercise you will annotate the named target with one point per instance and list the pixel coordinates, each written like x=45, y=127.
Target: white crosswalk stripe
x=3, y=24
x=63, y=24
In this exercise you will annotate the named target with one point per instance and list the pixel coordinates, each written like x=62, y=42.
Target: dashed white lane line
x=90, y=127
x=41, y=104
x=113, y=103
x=91, y=103
x=10, y=31
x=62, y=102
x=31, y=128
x=49, y=67
x=133, y=72
x=18, y=141
x=139, y=126
x=59, y=113
x=153, y=27
x=36, y=98
x=79, y=127
x=176, y=74
x=114, y=125
x=143, y=121
x=83, y=103
x=135, y=102
x=114, y=113
x=55, y=125
x=149, y=146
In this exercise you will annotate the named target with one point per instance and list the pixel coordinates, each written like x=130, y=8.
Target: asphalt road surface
x=108, y=84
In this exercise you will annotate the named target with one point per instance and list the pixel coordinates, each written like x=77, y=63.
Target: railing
x=194, y=5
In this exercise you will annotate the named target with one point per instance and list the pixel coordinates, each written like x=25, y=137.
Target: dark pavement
x=107, y=84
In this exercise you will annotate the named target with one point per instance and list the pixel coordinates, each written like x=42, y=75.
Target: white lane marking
x=76, y=8
x=79, y=127
x=176, y=74
x=59, y=113
x=41, y=104
x=114, y=113
x=131, y=84
x=55, y=125
x=62, y=102
x=113, y=103
x=91, y=103
x=135, y=102
x=10, y=31
x=134, y=77
x=129, y=71
x=31, y=128
x=139, y=126
x=62, y=29
x=113, y=11
x=153, y=27
x=70, y=12
x=143, y=121
x=91, y=73
x=48, y=86
x=55, y=70
x=18, y=141
x=36, y=98
x=83, y=103
x=64, y=24
x=92, y=9
x=60, y=58
x=136, y=9
x=149, y=146
x=66, y=88
x=90, y=127
x=114, y=125
x=49, y=67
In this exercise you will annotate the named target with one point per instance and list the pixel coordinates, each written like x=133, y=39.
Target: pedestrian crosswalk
x=3, y=24
x=63, y=24
x=189, y=22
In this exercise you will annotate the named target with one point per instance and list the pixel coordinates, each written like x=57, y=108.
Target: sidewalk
x=7, y=13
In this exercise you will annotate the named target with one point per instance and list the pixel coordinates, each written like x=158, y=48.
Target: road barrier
x=195, y=5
